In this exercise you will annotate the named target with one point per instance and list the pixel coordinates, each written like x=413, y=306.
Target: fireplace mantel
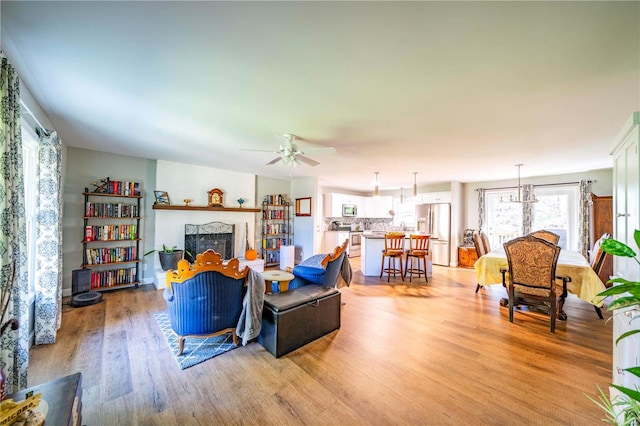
x=205, y=208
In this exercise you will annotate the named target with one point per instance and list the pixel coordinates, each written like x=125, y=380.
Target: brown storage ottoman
x=296, y=317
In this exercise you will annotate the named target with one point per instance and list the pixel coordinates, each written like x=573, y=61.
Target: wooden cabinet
x=601, y=222
x=467, y=256
x=111, y=244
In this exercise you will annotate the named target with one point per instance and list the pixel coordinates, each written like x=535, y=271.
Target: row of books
x=110, y=232
x=272, y=257
x=276, y=228
x=123, y=187
x=273, y=243
x=113, y=277
x=98, y=256
x=111, y=210
x=273, y=214
x=275, y=199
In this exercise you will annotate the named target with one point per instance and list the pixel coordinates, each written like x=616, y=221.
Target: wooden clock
x=215, y=198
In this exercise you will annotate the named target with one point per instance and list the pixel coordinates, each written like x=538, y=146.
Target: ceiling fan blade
x=258, y=150
x=307, y=160
x=274, y=161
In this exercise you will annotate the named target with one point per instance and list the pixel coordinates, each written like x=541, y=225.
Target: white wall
x=182, y=181
x=307, y=229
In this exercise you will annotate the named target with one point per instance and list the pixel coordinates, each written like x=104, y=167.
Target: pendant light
x=415, y=184
x=376, y=191
x=519, y=199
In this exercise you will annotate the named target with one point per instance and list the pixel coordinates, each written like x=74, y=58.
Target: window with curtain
x=503, y=220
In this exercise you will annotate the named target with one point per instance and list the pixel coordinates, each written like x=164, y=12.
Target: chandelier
x=518, y=198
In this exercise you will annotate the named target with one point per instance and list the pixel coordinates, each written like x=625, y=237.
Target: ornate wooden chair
x=481, y=249
x=418, y=250
x=204, y=299
x=393, y=249
x=321, y=269
x=547, y=235
x=485, y=242
x=532, y=275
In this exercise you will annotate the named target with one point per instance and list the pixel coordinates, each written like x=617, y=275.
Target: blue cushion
x=311, y=269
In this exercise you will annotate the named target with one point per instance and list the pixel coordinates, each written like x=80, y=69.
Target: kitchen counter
x=371, y=257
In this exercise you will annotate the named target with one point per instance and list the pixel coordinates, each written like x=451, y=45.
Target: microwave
x=349, y=210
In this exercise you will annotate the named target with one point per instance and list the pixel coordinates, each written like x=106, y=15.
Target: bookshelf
x=276, y=228
x=111, y=243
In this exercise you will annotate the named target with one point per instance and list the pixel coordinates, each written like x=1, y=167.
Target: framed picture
x=303, y=206
x=161, y=197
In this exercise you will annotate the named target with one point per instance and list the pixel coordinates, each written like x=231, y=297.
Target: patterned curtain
x=583, y=232
x=480, y=208
x=527, y=208
x=48, y=310
x=14, y=344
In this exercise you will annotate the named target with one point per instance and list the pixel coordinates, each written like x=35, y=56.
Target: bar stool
x=393, y=249
x=418, y=249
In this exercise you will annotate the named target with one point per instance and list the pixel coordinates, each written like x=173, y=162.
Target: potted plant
x=169, y=257
x=623, y=410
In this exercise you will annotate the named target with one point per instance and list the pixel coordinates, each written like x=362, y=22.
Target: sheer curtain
x=48, y=306
x=527, y=208
x=14, y=345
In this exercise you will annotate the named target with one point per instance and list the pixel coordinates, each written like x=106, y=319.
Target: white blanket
x=250, y=321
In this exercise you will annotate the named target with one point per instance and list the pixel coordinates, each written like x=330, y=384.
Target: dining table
x=585, y=283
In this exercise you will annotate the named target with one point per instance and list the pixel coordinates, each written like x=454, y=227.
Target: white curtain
x=48, y=306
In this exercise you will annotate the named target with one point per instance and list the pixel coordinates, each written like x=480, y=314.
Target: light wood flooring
x=405, y=355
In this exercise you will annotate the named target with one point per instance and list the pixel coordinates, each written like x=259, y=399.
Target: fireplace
x=217, y=236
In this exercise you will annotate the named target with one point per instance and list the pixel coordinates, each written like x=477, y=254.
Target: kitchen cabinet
x=332, y=204
x=626, y=219
x=377, y=206
x=434, y=197
x=332, y=239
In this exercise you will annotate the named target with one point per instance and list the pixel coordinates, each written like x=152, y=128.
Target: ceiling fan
x=290, y=154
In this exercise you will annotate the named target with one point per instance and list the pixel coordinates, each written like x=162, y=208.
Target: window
x=555, y=211
x=30, y=161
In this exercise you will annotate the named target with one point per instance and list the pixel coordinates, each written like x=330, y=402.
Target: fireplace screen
x=217, y=236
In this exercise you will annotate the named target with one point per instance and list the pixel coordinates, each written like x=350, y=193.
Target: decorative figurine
x=101, y=186
x=187, y=202
x=215, y=197
x=241, y=201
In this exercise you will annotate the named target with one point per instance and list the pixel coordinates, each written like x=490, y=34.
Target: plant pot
x=169, y=260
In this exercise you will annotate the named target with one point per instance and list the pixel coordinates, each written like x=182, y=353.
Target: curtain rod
x=28, y=111
x=540, y=184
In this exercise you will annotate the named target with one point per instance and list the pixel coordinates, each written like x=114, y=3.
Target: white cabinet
x=626, y=208
x=377, y=206
x=434, y=197
x=332, y=239
x=332, y=204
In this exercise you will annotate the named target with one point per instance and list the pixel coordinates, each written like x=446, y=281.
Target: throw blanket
x=345, y=273
x=250, y=321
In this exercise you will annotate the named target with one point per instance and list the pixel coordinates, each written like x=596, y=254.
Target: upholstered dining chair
x=393, y=249
x=418, y=250
x=547, y=235
x=485, y=241
x=532, y=275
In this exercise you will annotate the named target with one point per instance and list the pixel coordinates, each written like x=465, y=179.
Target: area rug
x=195, y=350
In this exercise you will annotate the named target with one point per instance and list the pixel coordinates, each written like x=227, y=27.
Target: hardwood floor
x=421, y=354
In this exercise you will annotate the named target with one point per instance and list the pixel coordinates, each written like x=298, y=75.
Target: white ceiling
x=452, y=90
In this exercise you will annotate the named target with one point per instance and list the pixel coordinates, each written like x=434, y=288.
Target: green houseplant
x=624, y=410
x=169, y=256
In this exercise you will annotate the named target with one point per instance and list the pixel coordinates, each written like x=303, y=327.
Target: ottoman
x=296, y=317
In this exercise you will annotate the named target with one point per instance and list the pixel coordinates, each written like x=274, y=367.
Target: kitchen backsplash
x=372, y=224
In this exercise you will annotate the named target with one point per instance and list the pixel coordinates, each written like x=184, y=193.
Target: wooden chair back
x=485, y=242
x=419, y=244
x=532, y=262
x=547, y=235
x=393, y=244
x=479, y=245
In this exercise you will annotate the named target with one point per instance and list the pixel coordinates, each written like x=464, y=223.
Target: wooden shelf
x=205, y=208
x=104, y=194
x=92, y=265
x=113, y=287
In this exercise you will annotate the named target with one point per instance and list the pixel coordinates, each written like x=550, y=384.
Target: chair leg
x=401, y=276
x=478, y=287
x=552, y=313
x=424, y=262
x=382, y=266
x=511, y=302
x=599, y=312
x=180, y=345
x=406, y=266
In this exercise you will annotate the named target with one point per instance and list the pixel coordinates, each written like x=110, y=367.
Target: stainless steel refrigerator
x=435, y=219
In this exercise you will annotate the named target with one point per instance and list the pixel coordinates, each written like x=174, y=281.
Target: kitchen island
x=371, y=257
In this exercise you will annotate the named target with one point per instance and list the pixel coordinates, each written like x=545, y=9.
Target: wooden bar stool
x=418, y=249
x=393, y=249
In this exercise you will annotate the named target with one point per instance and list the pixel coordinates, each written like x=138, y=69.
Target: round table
x=281, y=277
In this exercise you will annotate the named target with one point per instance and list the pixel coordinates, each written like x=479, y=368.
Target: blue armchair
x=205, y=299
x=321, y=269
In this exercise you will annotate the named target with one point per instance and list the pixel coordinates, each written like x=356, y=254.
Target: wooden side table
x=467, y=256
x=63, y=399
x=281, y=277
